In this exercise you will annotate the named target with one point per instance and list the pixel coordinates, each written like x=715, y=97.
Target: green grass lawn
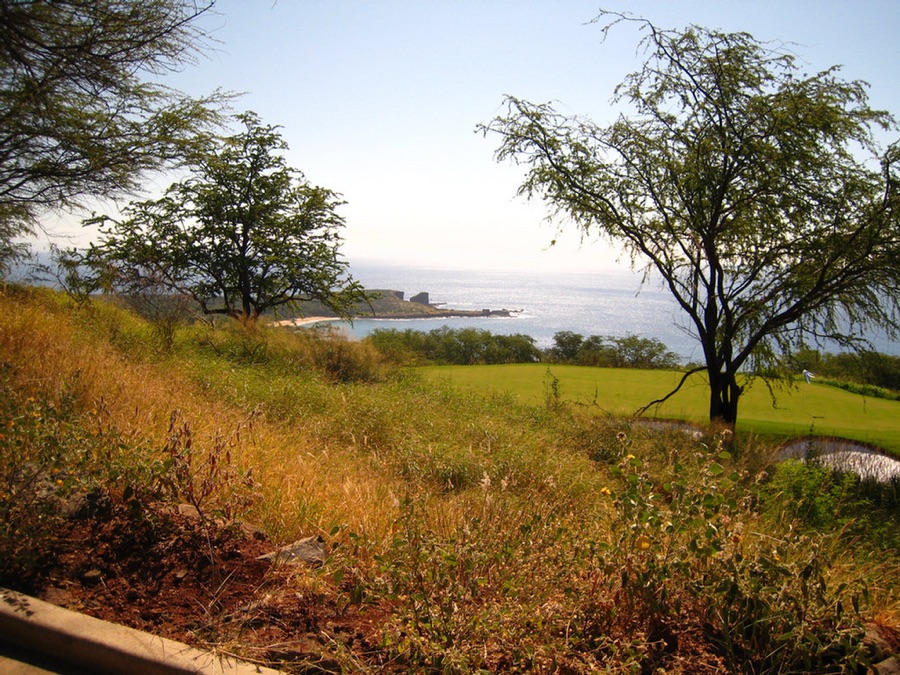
x=794, y=411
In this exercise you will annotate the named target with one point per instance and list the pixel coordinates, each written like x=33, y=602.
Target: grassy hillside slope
x=782, y=413
x=463, y=531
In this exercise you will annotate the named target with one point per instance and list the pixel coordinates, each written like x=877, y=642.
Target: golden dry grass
x=502, y=536
x=308, y=485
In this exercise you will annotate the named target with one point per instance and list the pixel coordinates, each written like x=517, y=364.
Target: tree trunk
x=724, y=393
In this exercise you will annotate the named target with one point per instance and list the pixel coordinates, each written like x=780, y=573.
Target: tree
x=243, y=234
x=757, y=194
x=633, y=351
x=79, y=116
x=566, y=344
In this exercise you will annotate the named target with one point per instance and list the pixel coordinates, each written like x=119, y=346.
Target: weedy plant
x=42, y=449
x=209, y=481
x=488, y=591
x=688, y=550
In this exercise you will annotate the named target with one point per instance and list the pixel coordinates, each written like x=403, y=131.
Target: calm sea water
x=611, y=304
x=590, y=304
x=603, y=303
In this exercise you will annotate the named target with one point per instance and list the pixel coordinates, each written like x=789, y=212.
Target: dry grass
x=308, y=485
x=501, y=537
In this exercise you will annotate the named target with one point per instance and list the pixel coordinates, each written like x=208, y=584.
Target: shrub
x=686, y=547
x=881, y=372
x=454, y=346
x=630, y=351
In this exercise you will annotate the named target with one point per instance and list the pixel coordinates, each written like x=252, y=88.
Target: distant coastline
x=391, y=304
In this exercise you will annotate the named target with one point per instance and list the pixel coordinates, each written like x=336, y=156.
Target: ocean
x=606, y=303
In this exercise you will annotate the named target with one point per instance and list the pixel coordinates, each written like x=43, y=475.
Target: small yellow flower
x=643, y=542
x=629, y=457
x=605, y=491
x=59, y=482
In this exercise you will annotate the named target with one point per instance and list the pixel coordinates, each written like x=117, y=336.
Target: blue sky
x=379, y=100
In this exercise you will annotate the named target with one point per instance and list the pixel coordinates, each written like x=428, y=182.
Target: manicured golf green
x=794, y=411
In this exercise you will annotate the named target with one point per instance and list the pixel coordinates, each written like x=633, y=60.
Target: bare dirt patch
x=175, y=575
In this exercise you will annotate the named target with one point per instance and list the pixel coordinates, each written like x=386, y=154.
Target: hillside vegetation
x=466, y=531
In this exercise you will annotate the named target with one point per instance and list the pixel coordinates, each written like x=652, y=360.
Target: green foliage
x=684, y=542
x=243, y=235
x=630, y=351
x=277, y=353
x=814, y=495
x=822, y=499
x=552, y=392
x=459, y=346
x=81, y=112
x=566, y=345
x=868, y=373
x=43, y=447
x=756, y=193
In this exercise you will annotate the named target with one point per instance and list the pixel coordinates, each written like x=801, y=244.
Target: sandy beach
x=305, y=320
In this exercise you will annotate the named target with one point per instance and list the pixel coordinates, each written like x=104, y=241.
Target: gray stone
x=877, y=645
x=890, y=666
x=307, y=550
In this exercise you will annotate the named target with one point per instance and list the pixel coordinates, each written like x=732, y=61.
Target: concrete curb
x=86, y=644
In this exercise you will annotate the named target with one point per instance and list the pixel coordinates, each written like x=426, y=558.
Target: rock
x=890, y=666
x=876, y=643
x=309, y=550
x=189, y=511
x=85, y=505
x=252, y=532
x=307, y=649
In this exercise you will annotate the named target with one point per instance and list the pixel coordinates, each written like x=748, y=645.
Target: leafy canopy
x=80, y=115
x=757, y=194
x=243, y=234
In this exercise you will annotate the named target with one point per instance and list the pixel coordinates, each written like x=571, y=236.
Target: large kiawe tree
x=757, y=193
x=244, y=233
x=82, y=112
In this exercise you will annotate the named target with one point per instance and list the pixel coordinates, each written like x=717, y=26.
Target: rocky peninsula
x=392, y=304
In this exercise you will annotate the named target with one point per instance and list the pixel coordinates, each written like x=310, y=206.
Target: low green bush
x=458, y=346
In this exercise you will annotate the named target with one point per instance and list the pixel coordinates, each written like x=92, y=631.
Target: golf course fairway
x=784, y=412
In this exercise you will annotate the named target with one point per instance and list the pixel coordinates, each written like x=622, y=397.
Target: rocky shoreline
x=391, y=304
x=442, y=314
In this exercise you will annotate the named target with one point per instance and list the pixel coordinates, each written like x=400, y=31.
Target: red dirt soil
x=174, y=575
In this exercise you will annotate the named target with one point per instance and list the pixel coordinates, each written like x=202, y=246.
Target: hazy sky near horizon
x=379, y=100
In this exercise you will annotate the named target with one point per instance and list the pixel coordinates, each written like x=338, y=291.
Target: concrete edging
x=103, y=647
